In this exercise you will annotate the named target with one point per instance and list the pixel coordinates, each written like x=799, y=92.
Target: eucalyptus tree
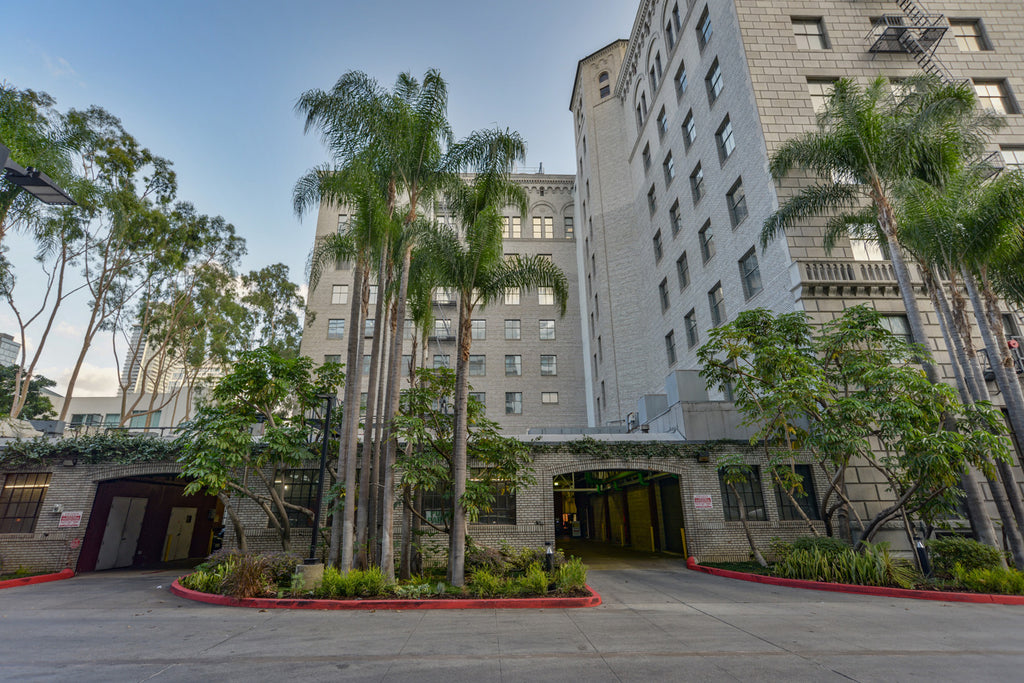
x=469, y=259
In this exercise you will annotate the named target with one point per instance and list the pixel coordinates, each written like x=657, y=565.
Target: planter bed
x=591, y=600
x=38, y=578
x=882, y=591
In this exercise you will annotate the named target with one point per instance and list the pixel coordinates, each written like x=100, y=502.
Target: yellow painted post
x=622, y=535
x=652, y=539
x=682, y=534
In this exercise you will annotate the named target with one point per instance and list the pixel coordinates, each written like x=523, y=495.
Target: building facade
x=526, y=365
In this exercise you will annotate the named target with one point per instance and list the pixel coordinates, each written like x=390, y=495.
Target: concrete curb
x=41, y=578
x=308, y=603
x=942, y=596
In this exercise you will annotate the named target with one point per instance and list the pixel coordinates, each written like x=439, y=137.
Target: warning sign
x=702, y=501
x=69, y=519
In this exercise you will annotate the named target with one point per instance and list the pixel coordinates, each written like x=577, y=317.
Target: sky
x=211, y=85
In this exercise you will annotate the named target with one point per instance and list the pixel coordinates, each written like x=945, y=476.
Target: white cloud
x=66, y=329
x=93, y=380
x=58, y=66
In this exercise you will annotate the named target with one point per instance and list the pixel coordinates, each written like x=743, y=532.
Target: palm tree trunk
x=981, y=524
x=991, y=334
x=457, y=540
x=348, y=450
x=378, y=463
x=390, y=443
x=363, y=512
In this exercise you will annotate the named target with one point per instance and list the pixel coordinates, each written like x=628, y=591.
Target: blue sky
x=211, y=86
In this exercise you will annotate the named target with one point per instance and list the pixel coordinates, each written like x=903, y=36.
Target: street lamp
x=330, y=399
x=33, y=181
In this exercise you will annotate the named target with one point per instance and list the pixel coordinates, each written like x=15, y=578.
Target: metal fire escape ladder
x=914, y=32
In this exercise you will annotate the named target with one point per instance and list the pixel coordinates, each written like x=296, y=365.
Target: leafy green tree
x=273, y=305
x=226, y=454
x=469, y=259
x=853, y=394
x=36, y=406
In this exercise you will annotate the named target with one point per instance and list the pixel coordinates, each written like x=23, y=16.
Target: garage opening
x=640, y=510
x=149, y=521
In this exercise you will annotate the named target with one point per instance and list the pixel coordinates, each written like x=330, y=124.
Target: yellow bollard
x=652, y=539
x=682, y=535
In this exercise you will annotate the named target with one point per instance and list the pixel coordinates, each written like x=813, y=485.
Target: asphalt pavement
x=659, y=621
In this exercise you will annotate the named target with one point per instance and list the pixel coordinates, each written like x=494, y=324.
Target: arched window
x=606, y=89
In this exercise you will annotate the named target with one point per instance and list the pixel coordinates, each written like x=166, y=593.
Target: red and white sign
x=702, y=501
x=69, y=519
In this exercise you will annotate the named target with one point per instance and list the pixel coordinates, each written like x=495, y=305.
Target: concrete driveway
x=658, y=621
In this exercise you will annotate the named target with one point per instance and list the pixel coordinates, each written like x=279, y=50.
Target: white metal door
x=179, y=533
x=121, y=534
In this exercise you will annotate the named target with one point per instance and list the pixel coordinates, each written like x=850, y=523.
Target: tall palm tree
x=469, y=260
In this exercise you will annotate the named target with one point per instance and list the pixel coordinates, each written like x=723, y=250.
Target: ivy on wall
x=637, y=450
x=116, y=449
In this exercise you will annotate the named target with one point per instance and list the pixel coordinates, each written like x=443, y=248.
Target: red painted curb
x=41, y=578
x=309, y=603
x=881, y=591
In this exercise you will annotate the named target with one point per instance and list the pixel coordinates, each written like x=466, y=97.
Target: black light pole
x=32, y=180
x=330, y=399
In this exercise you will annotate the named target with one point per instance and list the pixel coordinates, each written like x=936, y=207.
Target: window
x=548, y=397
x=513, y=366
x=716, y=302
x=332, y=358
x=512, y=296
x=683, y=271
x=342, y=223
x=726, y=143
x=297, y=487
x=546, y=296
x=369, y=327
x=810, y=34
x=1013, y=157
x=820, y=90
x=444, y=296
x=605, y=91
x=339, y=294
x=442, y=360
x=689, y=130
x=714, y=82
x=511, y=228
x=692, y=333
x=749, y=491
x=567, y=222
x=336, y=328
x=547, y=329
x=663, y=294
x=737, y=201
x=548, y=365
x=681, y=81
x=478, y=329
x=503, y=507
x=543, y=228
x=513, y=403
x=443, y=328
x=669, y=166
x=707, y=242
x=406, y=364
x=603, y=77
x=114, y=419
x=662, y=123
x=704, y=29
x=806, y=499
x=86, y=420
x=477, y=365
x=20, y=501
x=373, y=295
x=657, y=246
x=750, y=274
x=605, y=86
x=995, y=95
x=674, y=219
x=646, y=156
x=670, y=347
x=408, y=329
x=140, y=417
x=512, y=330
x=697, y=183
x=506, y=226
x=898, y=326
x=478, y=396
x=600, y=350
x=864, y=243
x=652, y=201
x=969, y=35
x=367, y=360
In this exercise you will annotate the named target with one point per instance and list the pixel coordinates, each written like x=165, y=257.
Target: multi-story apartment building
x=526, y=365
x=9, y=349
x=674, y=129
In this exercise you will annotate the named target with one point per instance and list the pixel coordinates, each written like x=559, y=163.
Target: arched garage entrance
x=148, y=520
x=637, y=509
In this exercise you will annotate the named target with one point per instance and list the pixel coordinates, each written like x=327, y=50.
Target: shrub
x=536, y=580
x=206, y=581
x=484, y=584
x=248, y=577
x=414, y=590
x=990, y=579
x=353, y=584
x=482, y=557
x=519, y=561
x=969, y=554
x=872, y=567
x=827, y=545
x=572, y=575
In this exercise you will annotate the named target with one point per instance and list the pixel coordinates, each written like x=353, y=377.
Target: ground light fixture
x=33, y=181
x=329, y=399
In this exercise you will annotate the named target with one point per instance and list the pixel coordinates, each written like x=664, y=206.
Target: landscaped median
x=883, y=591
x=38, y=578
x=592, y=600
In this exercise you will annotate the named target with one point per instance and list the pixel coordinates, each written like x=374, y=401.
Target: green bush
x=248, y=577
x=206, y=581
x=872, y=567
x=519, y=560
x=827, y=545
x=957, y=550
x=484, y=584
x=535, y=582
x=354, y=584
x=482, y=557
x=414, y=591
x=990, y=580
x=572, y=575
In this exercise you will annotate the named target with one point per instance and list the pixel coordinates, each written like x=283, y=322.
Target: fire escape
x=915, y=32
